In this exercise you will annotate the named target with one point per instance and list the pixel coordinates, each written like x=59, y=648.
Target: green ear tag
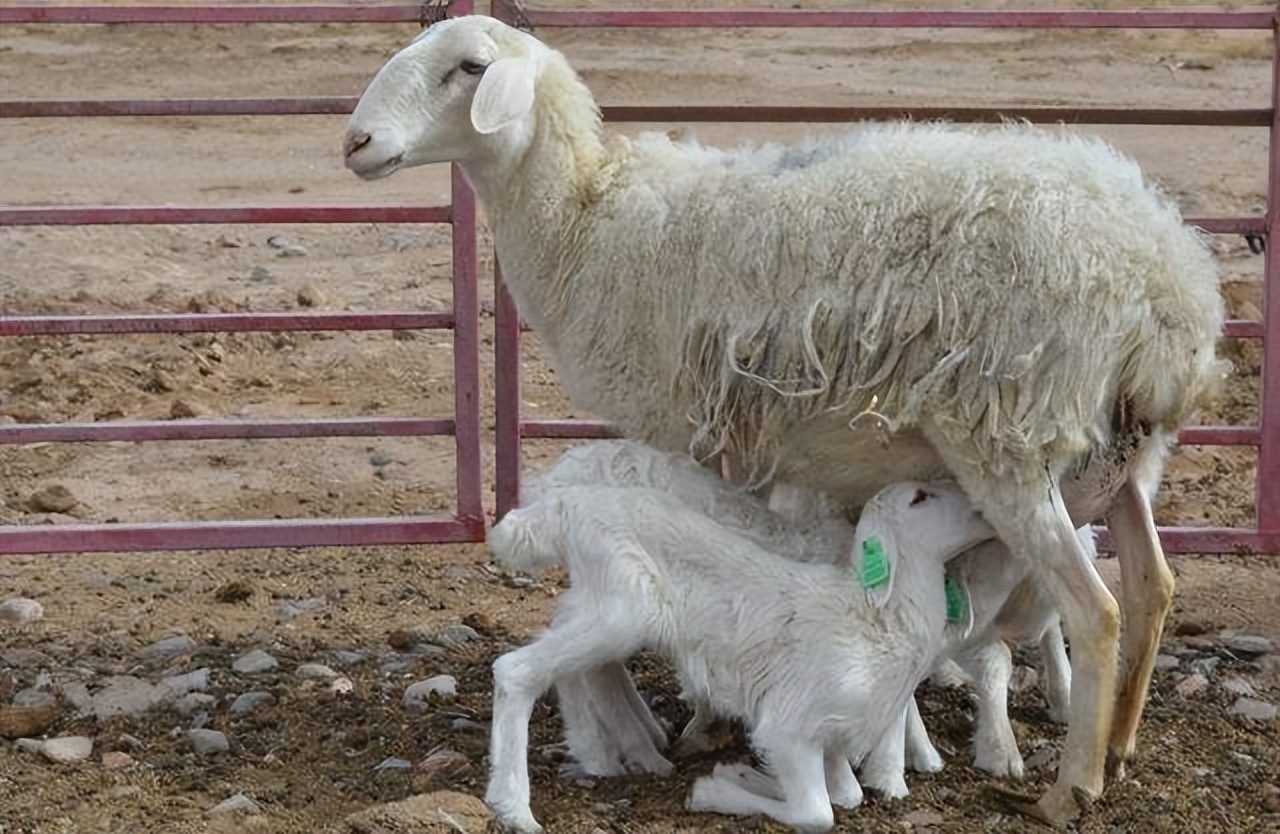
x=875, y=570
x=957, y=601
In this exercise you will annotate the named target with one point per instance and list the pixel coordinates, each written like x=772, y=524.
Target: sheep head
x=911, y=521
x=461, y=89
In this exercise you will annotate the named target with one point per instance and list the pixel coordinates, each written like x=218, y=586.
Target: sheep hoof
x=1056, y=808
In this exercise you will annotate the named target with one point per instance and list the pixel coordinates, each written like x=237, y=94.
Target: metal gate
x=512, y=427
x=467, y=524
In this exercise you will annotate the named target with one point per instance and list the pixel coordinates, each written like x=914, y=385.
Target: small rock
x=200, y=720
x=78, y=694
x=121, y=792
x=19, y=610
x=61, y=749
x=441, y=812
x=380, y=459
x=197, y=680
x=169, y=648
x=284, y=248
x=309, y=296
x=290, y=608
x=254, y=662
x=418, y=694
x=441, y=763
x=480, y=621
x=116, y=760
x=237, y=803
x=400, y=640
x=1166, y=662
x=20, y=721
x=1041, y=758
x=208, y=742
x=1271, y=798
x=260, y=275
x=128, y=696
x=1202, y=771
x=1205, y=665
x=1254, y=710
x=193, y=702
x=515, y=580
x=1189, y=628
x=182, y=410
x=466, y=725
x=316, y=670
x=393, y=763
x=54, y=498
x=1249, y=646
x=128, y=742
x=1023, y=679
x=23, y=658
x=235, y=591
x=456, y=635
x=1268, y=666
x=32, y=697
x=1192, y=686
x=342, y=686
x=250, y=701
x=346, y=658
x=1239, y=686
x=924, y=818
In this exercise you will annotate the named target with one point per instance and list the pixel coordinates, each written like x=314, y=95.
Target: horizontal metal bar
x=566, y=429
x=1220, y=436
x=219, y=535
x=138, y=430
x=219, y=13
x=1243, y=329
x=864, y=19
x=175, y=215
x=1208, y=540
x=327, y=105
x=1229, y=225
x=222, y=323
x=1259, y=117
x=308, y=106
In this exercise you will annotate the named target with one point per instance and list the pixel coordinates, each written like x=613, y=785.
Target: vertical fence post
x=466, y=353
x=506, y=370
x=1268, y=486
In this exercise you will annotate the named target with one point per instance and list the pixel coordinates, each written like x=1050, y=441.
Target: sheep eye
x=473, y=68
x=920, y=497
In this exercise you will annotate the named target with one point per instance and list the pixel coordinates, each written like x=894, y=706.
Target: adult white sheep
x=1025, y=313
x=817, y=659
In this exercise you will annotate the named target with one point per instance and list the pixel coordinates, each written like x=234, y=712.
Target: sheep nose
x=355, y=140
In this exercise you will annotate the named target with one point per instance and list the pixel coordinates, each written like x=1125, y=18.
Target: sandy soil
x=309, y=757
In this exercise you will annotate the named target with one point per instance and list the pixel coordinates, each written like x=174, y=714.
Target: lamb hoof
x=888, y=788
x=1000, y=765
x=927, y=761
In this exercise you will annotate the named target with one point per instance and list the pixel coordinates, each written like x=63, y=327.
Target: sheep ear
x=878, y=567
x=504, y=95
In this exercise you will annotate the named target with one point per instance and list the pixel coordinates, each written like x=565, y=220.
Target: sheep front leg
x=1057, y=672
x=1025, y=506
x=1146, y=585
x=921, y=755
x=801, y=782
x=995, y=748
x=519, y=677
x=885, y=766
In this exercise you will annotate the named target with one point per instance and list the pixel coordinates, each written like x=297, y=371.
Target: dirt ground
x=309, y=757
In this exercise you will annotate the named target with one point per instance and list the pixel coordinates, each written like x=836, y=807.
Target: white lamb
x=818, y=660
x=610, y=731
x=1011, y=307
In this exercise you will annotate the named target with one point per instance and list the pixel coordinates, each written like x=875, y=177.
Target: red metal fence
x=468, y=524
x=512, y=428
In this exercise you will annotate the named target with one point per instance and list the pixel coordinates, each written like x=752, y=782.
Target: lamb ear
x=877, y=565
x=504, y=95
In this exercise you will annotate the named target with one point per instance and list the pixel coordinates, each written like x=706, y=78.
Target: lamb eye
x=473, y=68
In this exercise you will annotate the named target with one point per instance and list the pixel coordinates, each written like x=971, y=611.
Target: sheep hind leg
x=995, y=748
x=1146, y=586
x=519, y=678
x=801, y=782
x=1057, y=672
x=1027, y=511
x=609, y=728
x=921, y=756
